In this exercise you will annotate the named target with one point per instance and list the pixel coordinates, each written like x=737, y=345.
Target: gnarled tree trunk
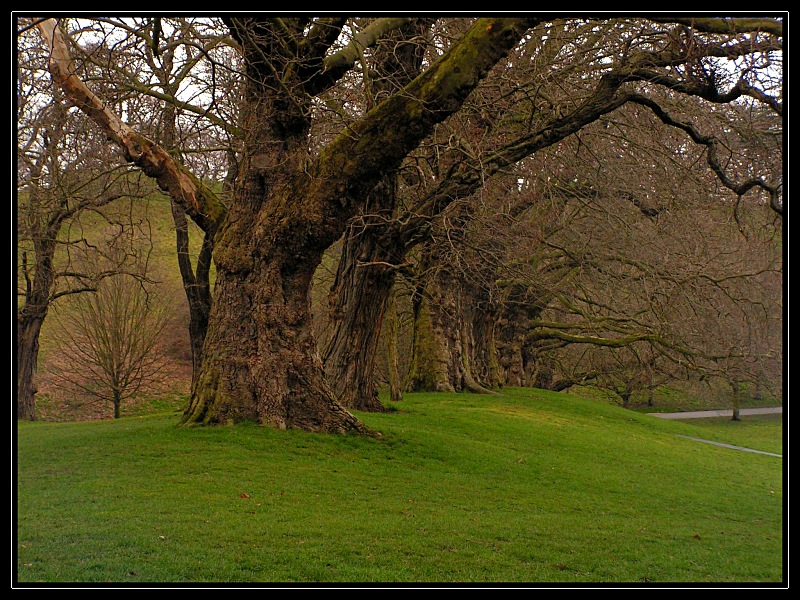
x=446, y=350
x=428, y=371
x=260, y=360
x=365, y=276
x=454, y=317
x=359, y=298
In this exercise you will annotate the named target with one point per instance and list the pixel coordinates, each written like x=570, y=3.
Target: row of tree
x=534, y=201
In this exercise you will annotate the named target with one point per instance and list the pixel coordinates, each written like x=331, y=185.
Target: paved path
x=699, y=414
x=742, y=448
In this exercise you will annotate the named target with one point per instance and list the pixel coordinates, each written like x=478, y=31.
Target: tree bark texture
x=447, y=353
x=28, y=357
x=359, y=299
x=260, y=360
x=365, y=276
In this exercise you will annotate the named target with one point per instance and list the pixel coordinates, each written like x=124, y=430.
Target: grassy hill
x=528, y=487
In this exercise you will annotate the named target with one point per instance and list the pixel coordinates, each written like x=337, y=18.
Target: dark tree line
x=432, y=148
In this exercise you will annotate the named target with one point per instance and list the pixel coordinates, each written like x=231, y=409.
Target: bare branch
x=740, y=188
x=198, y=200
x=725, y=25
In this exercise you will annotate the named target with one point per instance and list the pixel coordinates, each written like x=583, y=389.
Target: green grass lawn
x=528, y=487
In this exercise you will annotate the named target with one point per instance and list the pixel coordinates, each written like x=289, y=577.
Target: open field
x=529, y=487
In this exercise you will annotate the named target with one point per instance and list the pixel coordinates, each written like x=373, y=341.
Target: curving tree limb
x=200, y=203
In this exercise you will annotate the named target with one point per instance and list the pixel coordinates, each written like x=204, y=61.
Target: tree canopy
x=392, y=133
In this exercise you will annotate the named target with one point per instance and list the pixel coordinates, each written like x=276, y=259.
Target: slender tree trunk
x=195, y=284
x=28, y=357
x=736, y=401
x=31, y=316
x=625, y=394
x=392, y=359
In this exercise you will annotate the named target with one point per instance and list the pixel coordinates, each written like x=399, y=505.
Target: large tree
x=543, y=98
x=294, y=196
